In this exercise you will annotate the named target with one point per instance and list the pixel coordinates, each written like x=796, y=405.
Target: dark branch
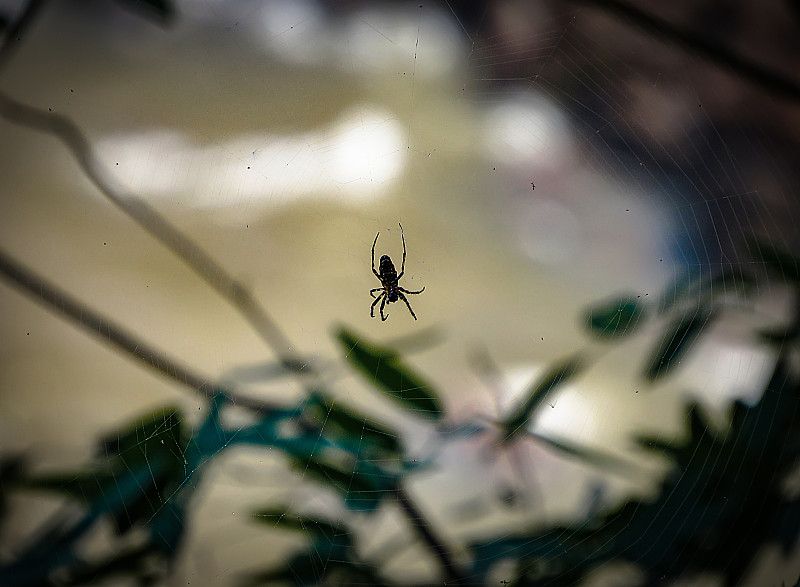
x=423, y=529
x=141, y=212
x=104, y=329
x=208, y=269
x=752, y=71
x=13, y=36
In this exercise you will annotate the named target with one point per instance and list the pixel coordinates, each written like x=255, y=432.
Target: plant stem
x=754, y=72
x=423, y=528
x=143, y=214
x=15, y=32
x=105, y=329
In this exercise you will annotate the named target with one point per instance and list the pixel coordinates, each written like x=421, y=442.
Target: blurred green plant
x=724, y=499
x=722, y=502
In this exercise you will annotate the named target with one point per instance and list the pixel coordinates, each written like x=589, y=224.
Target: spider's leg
x=383, y=303
x=410, y=292
x=372, y=307
x=403, y=264
x=372, y=291
x=402, y=297
x=373, y=255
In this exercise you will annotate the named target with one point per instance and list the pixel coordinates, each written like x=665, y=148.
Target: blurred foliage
x=677, y=341
x=536, y=395
x=328, y=559
x=720, y=504
x=138, y=481
x=383, y=368
x=616, y=318
x=141, y=468
x=709, y=286
x=160, y=11
x=724, y=499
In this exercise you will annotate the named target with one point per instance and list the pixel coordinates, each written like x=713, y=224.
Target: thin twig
x=205, y=266
x=423, y=528
x=13, y=36
x=108, y=332
x=142, y=213
x=754, y=72
x=193, y=256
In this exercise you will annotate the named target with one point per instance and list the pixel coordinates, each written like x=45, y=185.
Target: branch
x=755, y=73
x=142, y=213
x=209, y=270
x=102, y=328
x=14, y=34
x=422, y=527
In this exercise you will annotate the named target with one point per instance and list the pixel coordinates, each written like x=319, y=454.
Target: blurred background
x=543, y=158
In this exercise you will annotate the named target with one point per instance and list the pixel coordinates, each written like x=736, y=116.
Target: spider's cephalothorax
x=390, y=288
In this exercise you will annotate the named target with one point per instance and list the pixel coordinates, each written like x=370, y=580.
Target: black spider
x=390, y=289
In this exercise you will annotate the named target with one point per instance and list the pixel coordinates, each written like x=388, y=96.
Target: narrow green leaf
x=139, y=468
x=780, y=336
x=281, y=518
x=707, y=285
x=383, y=368
x=12, y=473
x=136, y=562
x=161, y=431
x=363, y=486
x=537, y=393
x=616, y=318
x=85, y=486
x=589, y=455
x=677, y=341
x=160, y=11
x=343, y=421
x=322, y=564
x=777, y=260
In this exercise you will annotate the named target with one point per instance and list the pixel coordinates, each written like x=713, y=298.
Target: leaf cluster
x=720, y=504
x=723, y=500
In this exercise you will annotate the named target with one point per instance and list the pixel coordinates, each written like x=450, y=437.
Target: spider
x=390, y=289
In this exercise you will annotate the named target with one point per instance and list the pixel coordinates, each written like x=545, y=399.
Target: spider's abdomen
x=387, y=270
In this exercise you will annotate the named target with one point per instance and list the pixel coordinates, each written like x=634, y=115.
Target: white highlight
x=527, y=129
x=572, y=417
x=360, y=153
x=365, y=43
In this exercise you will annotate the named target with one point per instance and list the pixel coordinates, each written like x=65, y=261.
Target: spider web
x=570, y=185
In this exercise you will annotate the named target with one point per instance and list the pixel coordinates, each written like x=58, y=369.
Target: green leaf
x=778, y=261
x=320, y=565
x=361, y=491
x=616, y=318
x=383, y=368
x=330, y=559
x=342, y=421
x=780, y=336
x=160, y=11
x=317, y=527
x=537, y=393
x=86, y=486
x=722, y=502
x=12, y=471
x=706, y=285
x=677, y=341
x=589, y=455
x=162, y=428
x=142, y=466
x=140, y=562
